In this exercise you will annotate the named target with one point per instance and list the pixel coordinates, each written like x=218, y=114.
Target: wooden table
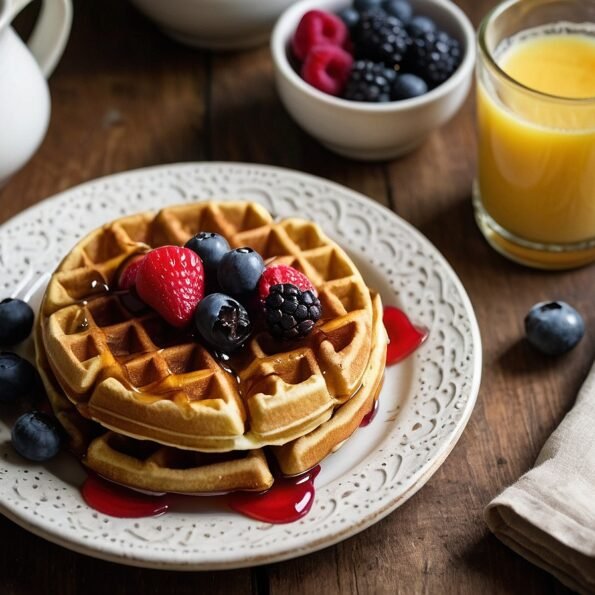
x=124, y=96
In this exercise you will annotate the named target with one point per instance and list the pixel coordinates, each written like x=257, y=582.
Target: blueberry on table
x=554, y=327
x=222, y=322
x=239, y=271
x=407, y=86
x=16, y=321
x=36, y=436
x=18, y=377
x=210, y=247
x=400, y=9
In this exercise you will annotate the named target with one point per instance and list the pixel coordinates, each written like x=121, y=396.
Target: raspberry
x=280, y=274
x=170, y=279
x=381, y=37
x=318, y=28
x=291, y=313
x=327, y=68
x=434, y=56
x=370, y=82
x=127, y=278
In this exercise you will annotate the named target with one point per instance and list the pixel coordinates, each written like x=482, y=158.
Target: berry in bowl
x=372, y=79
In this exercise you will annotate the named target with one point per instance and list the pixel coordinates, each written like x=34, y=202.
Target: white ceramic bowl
x=372, y=131
x=215, y=24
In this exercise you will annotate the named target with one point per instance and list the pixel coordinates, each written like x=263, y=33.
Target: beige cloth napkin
x=548, y=515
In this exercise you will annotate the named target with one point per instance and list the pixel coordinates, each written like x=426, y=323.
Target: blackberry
x=369, y=81
x=434, y=56
x=291, y=313
x=381, y=37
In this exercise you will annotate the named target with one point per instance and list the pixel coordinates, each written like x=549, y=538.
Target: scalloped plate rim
x=159, y=560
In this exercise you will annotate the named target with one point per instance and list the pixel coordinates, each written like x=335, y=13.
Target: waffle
x=127, y=370
x=156, y=468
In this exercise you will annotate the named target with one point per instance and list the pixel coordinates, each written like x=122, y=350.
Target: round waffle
x=150, y=466
x=129, y=371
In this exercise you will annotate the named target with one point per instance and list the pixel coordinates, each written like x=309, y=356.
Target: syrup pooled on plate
x=287, y=501
x=404, y=336
x=118, y=501
x=369, y=417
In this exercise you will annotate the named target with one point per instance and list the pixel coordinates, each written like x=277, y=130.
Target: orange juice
x=537, y=149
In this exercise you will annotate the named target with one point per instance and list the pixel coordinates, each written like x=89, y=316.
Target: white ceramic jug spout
x=24, y=95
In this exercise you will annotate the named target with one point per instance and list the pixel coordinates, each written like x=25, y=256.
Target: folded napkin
x=548, y=515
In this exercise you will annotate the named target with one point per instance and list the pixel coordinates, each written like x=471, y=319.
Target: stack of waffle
x=150, y=407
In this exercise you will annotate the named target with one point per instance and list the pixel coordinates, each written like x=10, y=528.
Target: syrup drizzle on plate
x=290, y=498
x=287, y=501
x=118, y=501
x=404, y=336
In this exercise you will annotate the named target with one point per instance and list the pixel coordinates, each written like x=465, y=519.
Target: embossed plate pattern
x=424, y=405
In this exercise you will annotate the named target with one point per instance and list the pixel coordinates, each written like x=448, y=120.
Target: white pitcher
x=24, y=95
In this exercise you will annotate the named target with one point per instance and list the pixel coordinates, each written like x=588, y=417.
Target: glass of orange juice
x=534, y=197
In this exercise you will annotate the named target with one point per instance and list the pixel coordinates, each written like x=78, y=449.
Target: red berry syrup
x=369, y=417
x=289, y=499
x=118, y=501
x=404, y=336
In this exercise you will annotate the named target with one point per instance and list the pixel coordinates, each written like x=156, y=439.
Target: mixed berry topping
x=211, y=247
x=170, y=279
x=280, y=274
x=127, y=277
x=239, y=271
x=374, y=51
x=222, y=322
x=291, y=313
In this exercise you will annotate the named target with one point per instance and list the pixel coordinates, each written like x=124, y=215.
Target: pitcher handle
x=51, y=32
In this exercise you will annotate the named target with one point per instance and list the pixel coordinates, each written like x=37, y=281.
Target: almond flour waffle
x=153, y=467
x=131, y=373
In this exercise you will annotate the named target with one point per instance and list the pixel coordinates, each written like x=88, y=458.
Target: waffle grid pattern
x=125, y=369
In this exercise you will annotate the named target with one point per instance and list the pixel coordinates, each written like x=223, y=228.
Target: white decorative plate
x=424, y=405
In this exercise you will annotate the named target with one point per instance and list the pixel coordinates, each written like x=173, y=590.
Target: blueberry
x=210, y=247
x=36, y=436
x=361, y=5
x=419, y=25
x=399, y=8
x=16, y=321
x=17, y=377
x=222, y=322
x=554, y=327
x=349, y=16
x=407, y=86
x=240, y=270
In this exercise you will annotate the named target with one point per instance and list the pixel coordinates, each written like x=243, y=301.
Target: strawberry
x=280, y=274
x=171, y=280
x=127, y=278
x=318, y=27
